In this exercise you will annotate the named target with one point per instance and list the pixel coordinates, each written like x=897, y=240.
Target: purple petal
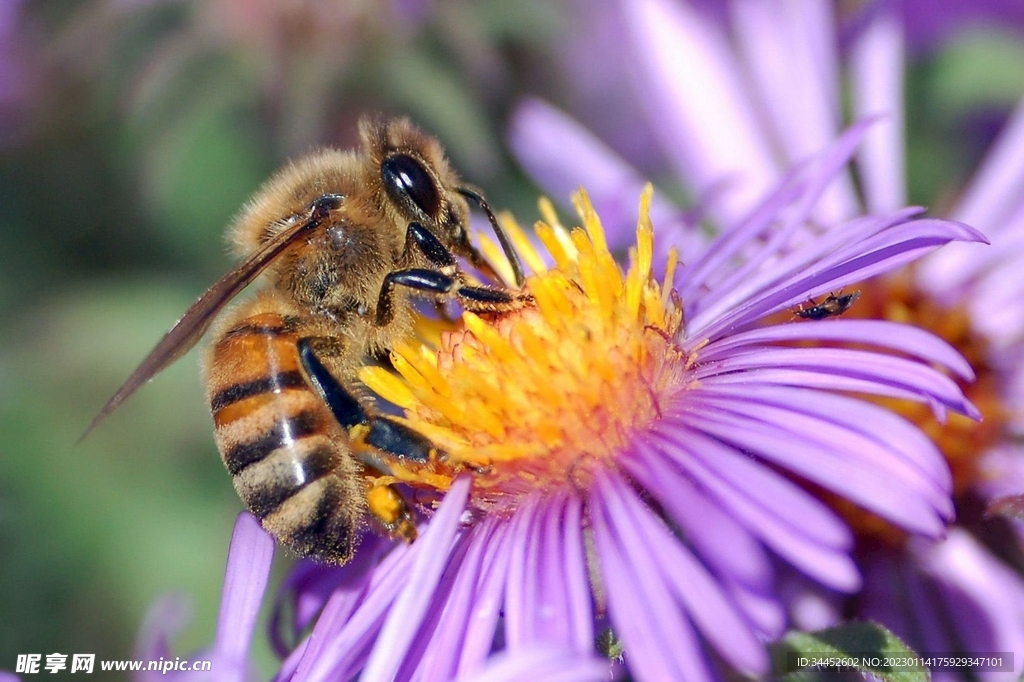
x=871, y=453
x=521, y=586
x=876, y=74
x=885, y=372
x=884, y=598
x=992, y=199
x=694, y=94
x=723, y=542
x=874, y=255
x=543, y=664
x=930, y=632
x=866, y=420
x=165, y=618
x=797, y=446
x=659, y=641
x=348, y=635
x=544, y=574
x=438, y=655
x=763, y=488
x=441, y=603
x=986, y=595
x=770, y=268
x=901, y=337
x=791, y=54
x=245, y=580
x=482, y=621
x=761, y=607
x=826, y=563
x=310, y=585
x=996, y=191
x=813, y=378
x=792, y=201
x=431, y=554
x=993, y=299
x=1002, y=472
x=726, y=546
x=561, y=157
x=810, y=607
x=580, y=608
x=711, y=611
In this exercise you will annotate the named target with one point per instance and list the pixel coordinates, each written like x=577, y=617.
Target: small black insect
x=830, y=307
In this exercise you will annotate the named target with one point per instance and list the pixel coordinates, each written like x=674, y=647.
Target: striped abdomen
x=288, y=456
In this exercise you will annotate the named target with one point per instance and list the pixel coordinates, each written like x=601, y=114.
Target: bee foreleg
x=443, y=257
x=474, y=298
x=430, y=246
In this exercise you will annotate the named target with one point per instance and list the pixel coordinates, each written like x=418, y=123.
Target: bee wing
x=197, y=319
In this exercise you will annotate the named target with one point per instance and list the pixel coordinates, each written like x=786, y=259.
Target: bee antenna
x=506, y=245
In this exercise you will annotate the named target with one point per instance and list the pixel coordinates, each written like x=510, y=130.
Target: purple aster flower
x=629, y=456
x=779, y=67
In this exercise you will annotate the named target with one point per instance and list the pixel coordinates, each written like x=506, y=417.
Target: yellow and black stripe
x=280, y=442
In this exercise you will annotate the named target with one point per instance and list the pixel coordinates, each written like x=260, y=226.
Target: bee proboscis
x=348, y=240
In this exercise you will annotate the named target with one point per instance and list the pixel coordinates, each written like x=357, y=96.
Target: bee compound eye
x=406, y=180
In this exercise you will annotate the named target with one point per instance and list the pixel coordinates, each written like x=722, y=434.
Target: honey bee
x=832, y=306
x=348, y=241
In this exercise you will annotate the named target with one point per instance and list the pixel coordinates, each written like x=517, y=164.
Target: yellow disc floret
x=536, y=399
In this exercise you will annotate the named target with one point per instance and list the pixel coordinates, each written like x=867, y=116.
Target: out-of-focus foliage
x=131, y=131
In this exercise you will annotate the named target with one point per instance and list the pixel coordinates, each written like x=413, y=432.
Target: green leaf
x=864, y=646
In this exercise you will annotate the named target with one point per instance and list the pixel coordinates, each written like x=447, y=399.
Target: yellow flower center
x=538, y=399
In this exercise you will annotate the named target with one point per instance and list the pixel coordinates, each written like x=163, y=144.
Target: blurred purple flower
x=927, y=23
x=735, y=97
x=20, y=84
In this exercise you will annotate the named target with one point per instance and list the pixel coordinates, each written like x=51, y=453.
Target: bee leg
x=377, y=433
x=430, y=246
x=441, y=256
x=448, y=279
x=389, y=507
x=506, y=243
x=473, y=298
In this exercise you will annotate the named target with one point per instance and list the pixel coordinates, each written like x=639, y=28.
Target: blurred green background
x=129, y=135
